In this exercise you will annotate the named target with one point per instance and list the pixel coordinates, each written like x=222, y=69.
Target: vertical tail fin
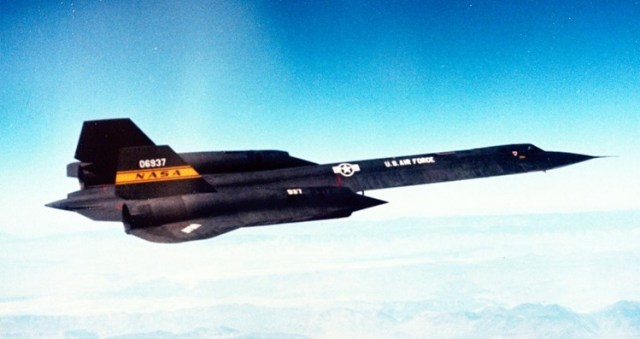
x=155, y=171
x=98, y=148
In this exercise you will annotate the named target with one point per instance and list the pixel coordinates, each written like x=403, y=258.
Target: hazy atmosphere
x=537, y=255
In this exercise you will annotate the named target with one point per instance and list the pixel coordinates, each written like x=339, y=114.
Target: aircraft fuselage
x=163, y=196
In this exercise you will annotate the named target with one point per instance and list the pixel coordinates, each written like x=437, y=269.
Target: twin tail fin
x=117, y=151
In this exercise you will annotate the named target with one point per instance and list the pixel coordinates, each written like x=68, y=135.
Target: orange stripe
x=156, y=169
x=144, y=176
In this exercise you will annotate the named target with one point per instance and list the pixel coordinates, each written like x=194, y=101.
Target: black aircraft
x=162, y=196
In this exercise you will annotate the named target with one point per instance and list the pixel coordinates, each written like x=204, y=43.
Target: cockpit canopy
x=522, y=151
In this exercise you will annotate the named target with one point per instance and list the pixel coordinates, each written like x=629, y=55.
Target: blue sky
x=326, y=81
x=332, y=82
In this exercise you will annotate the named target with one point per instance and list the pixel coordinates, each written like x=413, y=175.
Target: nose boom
x=560, y=159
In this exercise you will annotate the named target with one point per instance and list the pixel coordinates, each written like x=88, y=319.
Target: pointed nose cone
x=560, y=159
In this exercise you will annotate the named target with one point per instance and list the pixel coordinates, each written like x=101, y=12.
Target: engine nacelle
x=242, y=209
x=241, y=161
x=166, y=210
x=93, y=174
x=154, y=212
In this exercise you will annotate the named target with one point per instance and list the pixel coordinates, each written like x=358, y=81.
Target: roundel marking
x=346, y=169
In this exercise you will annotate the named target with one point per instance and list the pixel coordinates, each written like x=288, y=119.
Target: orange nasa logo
x=155, y=175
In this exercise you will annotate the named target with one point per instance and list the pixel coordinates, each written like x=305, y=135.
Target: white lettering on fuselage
x=294, y=191
x=409, y=162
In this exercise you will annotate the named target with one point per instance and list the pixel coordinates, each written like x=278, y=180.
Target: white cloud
x=583, y=261
x=353, y=320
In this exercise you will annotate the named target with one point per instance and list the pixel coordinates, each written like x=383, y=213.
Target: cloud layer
x=476, y=274
x=389, y=320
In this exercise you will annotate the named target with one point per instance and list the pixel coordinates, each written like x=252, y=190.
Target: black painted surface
x=268, y=187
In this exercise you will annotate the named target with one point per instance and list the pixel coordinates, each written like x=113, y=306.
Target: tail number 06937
x=150, y=163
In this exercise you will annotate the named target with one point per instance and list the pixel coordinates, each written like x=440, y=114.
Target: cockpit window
x=523, y=151
x=533, y=149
